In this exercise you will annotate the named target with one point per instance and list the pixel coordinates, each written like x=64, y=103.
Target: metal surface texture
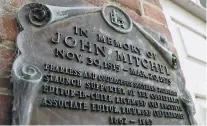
x=94, y=65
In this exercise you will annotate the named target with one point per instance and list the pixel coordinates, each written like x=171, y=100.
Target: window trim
x=187, y=26
x=200, y=96
x=192, y=7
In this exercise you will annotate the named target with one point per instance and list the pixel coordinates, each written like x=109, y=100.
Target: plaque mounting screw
x=163, y=39
x=39, y=14
x=174, y=61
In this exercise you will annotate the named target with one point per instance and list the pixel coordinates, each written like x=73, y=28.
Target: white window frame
x=174, y=17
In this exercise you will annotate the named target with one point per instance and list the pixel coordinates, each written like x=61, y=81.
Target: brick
x=172, y=48
x=5, y=65
x=1, y=29
x=149, y=24
x=133, y=4
x=98, y=2
x=7, y=20
x=9, y=26
x=5, y=83
x=5, y=73
x=155, y=2
x=7, y=54
x=5, y=109
x=18, y=3
x=154, y=13
x=12, y=5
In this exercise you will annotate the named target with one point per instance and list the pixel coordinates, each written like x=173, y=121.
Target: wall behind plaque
x=146, y=12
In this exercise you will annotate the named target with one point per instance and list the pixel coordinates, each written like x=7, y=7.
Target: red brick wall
x=145, y=12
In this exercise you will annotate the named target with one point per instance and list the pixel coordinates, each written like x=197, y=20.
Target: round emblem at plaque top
x=117, y=19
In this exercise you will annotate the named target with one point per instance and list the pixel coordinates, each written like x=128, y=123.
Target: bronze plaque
x=93, y=66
